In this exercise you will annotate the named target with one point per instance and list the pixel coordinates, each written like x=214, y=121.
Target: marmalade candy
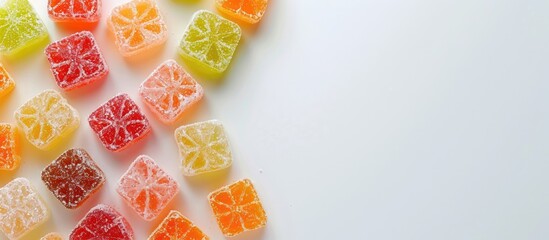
x=147, y=188
x=250, y=11
x=73, y=177
x=169, y=91
x=176, y=226
x=74, y=11
x=6, y=82
x=10, y=149
x=102, y=223
x=21, y=208
x=20, y=26
x=237, y=208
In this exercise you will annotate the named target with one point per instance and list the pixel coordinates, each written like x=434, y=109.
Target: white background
x=356, y=119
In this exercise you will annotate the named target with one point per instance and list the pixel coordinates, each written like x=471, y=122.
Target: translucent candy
x=6, y=82
x=73, y=177
x=210, y=41
x=237, y=208
x=76, y=61
x=74, y=10
x=102, y=222
x=10, y=151
x=203, y=147
x=119, y=123
x=169, y=90
x=21, y=208
x=137, y=27
x=52, y=236
x=250, y=11
x=176, y=226
x=147, y=188
x=20, y=26
x=46, y=119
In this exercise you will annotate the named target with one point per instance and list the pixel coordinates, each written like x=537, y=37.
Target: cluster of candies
x=76, y=61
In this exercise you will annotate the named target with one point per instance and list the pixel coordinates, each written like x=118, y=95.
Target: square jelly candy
x=176, y=226
x=75, y=11
x=237, y=208
x=169, y=90
x=20, y=26
x=210, y=41
x=52, y=236
x=46, y=119
x=204, y=147
x=147, y=188
x=6, y=82
x=73, y=177
x=250, y=11
x=137, y=26
x=21, y=208
x=76, y=61
x=119, y=123
x=102, y=222
x=10, y=151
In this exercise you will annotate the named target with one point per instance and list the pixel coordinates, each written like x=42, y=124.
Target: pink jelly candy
x=73, y=177
x=169, y=90
x=102, y=222
x=76, y=61
x=119, y=123
x=74, y=10
x=147, y=188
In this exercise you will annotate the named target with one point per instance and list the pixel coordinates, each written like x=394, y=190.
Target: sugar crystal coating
x=176, y=226
x=169, y=90
x=74, y=10
x=20, y=26
x=46, y=119
x=204, y=147
x=119, y=123
x=210, y=41
x=21, y=208
x=52, y=236
x=237, y=208
x=6, y=82
x=10, y=151
x=76, y=61
x=250, y=11
x=137, y=26
x=147, y=188
x=73, y=177
x=102, y=222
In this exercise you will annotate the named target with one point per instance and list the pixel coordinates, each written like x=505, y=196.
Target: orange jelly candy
x=176, y=226
x=237, y=208
x=6, y=82
x=250, y=11
x=9, y=147
x=137, y=27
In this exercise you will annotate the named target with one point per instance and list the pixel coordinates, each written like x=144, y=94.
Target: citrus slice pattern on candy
x=137, y=26
x=176, y=226
x=46, y=118
x=74, y=10
x=20, y=26
x=250, y=11
x=6, y=82
x=210, y=41
x=237, y=208
x=204, y=147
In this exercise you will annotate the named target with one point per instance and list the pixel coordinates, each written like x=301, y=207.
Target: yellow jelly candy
x=6, y=82
x=47, y=118
x=52, y=236
x=204, y=147
x=210, y=41
x=21, y=208
x=20, y=26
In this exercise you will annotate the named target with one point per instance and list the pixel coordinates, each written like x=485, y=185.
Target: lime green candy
x=20, y=27
x=210, y=41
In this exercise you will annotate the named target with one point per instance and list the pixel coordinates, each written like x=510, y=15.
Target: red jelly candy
x=119, y=123
x=73, y=177
x=102, y=222
x=76, y=61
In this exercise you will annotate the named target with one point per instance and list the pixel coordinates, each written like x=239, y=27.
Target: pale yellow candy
x=204, y=147
x=21, y=208
x=52, y=236
x=46, y=119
